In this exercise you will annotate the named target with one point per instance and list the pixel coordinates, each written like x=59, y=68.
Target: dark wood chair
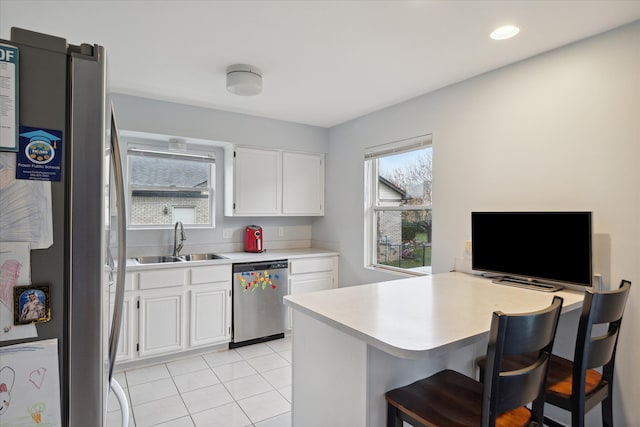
x=576, y=386
x=450, y=399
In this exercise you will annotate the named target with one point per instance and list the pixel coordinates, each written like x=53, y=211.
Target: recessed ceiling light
x=504, y=32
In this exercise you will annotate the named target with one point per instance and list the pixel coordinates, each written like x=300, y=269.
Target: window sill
x=418, y=271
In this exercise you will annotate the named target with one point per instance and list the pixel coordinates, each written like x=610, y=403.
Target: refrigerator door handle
x=122, y=245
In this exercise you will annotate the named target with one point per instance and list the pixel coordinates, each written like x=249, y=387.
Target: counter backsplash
x=153, y=242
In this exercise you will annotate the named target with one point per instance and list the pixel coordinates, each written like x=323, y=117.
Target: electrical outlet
x=226, y=233
x=280, y=231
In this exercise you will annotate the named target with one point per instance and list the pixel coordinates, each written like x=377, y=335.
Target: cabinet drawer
x=129, y=281
x=311, y=265
x=110, y=280
x=311, y=283
x=162, y=278
x=212, y=273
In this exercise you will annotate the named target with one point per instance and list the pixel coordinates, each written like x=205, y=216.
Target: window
x=168, y=187
x=185, y=214
x=398, y=195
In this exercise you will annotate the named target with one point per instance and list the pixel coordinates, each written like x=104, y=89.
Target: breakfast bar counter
x=352, y=344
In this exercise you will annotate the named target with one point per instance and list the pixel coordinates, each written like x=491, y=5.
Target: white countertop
x=237, y=257
x=276, y=254
x=422, y=316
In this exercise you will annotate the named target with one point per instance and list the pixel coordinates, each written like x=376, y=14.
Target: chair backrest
x=519, y=334
x=599, y=350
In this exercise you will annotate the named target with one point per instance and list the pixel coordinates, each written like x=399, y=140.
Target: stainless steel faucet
x=177, y=247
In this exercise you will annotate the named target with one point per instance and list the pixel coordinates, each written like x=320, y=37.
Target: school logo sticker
x=39, y=155
x=40, y=152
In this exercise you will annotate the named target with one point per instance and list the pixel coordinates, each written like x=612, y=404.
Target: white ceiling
x=324, y=62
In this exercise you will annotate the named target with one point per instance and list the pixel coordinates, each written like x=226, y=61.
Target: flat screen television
x=533, y=248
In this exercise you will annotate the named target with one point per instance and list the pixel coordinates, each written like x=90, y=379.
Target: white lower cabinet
x=125, y=345
x=170, y=310
x=311, y=275
x=161, y=323
x=311, y=282
x=210, y=314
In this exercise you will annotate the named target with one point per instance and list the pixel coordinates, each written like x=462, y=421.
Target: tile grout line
x=180, y=393
x=261, y=376
x=233, y=397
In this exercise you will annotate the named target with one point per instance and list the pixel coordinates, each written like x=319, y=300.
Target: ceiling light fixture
x=244, y=80
x=504, y=32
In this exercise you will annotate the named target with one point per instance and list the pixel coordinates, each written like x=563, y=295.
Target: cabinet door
x=258, y=182
x=161, y=324
x=309, y=283
x=125, y=346
x=210, y=314
x=302, y=184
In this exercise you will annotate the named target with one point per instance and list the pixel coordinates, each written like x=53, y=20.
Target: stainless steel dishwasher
x=259, y=313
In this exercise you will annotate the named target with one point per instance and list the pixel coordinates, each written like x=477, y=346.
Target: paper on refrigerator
x=31, y=381
x=9, y=73
x=15, y=269
x=26, y=207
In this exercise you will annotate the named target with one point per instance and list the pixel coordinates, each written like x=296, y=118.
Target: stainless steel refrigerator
x=64, y=87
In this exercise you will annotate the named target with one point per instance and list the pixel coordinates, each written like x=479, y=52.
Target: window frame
x=371, y=192
x=160, y=152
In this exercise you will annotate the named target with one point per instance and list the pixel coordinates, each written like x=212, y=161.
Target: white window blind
x=397, y=147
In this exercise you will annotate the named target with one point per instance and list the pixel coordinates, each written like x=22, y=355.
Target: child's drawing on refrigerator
x=15, y=269
x=30, y=384
x=7, y=377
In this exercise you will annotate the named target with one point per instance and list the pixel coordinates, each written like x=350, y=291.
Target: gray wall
x=165, y=118
x=560, y=131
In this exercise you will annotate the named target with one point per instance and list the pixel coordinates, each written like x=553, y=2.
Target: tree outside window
x=400, y=188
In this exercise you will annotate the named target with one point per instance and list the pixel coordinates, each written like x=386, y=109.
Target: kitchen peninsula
x=352, y=344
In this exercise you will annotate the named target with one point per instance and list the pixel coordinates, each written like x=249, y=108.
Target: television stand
x=535, y=285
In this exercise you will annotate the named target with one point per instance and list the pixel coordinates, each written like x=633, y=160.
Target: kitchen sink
x=201, y=257
x=158, y=259
x=181, y=258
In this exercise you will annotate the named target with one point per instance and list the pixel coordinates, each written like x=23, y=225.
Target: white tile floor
x=247, y=386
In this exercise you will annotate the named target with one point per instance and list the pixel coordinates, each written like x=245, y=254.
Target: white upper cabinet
x=257, y=177
x=262, y=182
x=302, y=184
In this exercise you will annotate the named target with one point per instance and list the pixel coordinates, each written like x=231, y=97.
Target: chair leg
x=607, y=411
x=393, y=420
x=577, y=419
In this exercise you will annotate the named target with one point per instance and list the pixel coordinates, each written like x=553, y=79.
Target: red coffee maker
x=253, y=238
